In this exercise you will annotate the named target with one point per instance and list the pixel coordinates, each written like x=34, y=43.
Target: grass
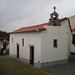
x=11, y=66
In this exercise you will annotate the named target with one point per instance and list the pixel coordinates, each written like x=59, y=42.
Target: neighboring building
x=5, y=43
x=1, y=44
x=72, y=22
x=4, y=47
x=43, y=45
x=73, y=41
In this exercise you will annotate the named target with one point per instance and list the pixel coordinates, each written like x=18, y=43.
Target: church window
x=12, y=40
x=23, y=42
x=55, y=43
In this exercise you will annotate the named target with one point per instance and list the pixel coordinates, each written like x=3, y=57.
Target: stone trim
x=45, y=64
x=50, y=63
x=24, y=59
x=12, y=55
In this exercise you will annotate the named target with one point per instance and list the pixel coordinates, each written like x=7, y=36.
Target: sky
x=15, y=14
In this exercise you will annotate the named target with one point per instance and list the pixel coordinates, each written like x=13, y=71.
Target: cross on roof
x=54, y=8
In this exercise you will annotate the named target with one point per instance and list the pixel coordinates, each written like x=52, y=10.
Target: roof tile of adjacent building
x=40, y=27
x=5, y=41
x=73, y=30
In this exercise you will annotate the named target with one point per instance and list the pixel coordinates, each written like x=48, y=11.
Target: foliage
x=4, y=35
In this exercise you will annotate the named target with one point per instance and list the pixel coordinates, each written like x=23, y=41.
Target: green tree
x=4, y=35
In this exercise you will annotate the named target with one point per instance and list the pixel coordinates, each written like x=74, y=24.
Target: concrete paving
x=63, y=69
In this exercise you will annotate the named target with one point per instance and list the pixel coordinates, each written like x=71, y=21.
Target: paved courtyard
x=65, y=69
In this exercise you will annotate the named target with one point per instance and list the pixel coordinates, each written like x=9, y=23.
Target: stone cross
x=54, y=8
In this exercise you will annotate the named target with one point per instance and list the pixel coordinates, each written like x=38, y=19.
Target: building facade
x=72, y=21
x=43, y=45
x=73, y=41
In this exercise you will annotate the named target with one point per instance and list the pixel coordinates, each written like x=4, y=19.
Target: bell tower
x=54, y=21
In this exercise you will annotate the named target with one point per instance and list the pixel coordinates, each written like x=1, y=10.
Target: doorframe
x=17, y=45
x=32, y=55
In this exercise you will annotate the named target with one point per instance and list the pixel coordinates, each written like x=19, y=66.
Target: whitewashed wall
x=61, y=33
x=35, y=39
x=43, y=43
x=31, y=38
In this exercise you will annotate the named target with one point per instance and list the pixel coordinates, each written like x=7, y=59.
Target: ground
x=11, y=66
x=63, y=69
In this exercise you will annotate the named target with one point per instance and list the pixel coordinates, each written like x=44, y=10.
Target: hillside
x=4, y=35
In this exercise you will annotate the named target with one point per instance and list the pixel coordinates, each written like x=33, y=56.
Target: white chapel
x=44, y=44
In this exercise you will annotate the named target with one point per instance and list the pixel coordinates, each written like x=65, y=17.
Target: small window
x=23, y=42
x=12, y=40
x=55, y=43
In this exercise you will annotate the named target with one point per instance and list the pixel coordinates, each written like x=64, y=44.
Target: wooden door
x=32, y=55
x=17, y=50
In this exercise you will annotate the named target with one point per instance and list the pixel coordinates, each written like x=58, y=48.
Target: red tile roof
x=73, y=30
x=5, y=41
x=63, y=19
x=1, y=41
x=31, y=28
x=35, y=28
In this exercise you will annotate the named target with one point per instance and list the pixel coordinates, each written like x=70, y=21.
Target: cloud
x=15, y=14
